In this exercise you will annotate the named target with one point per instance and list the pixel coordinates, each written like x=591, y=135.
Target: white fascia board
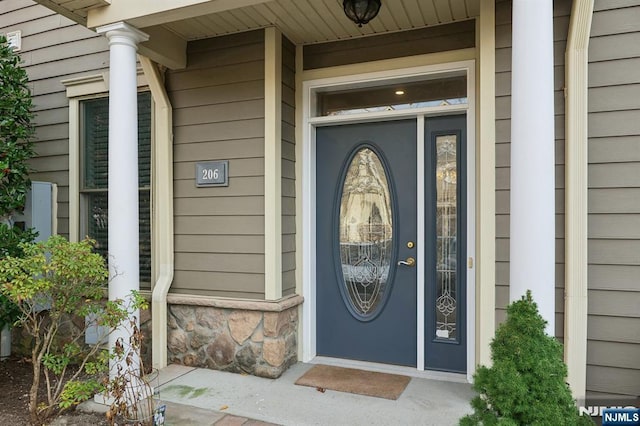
x=145, y=13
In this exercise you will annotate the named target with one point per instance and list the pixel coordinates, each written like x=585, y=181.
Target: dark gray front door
x=366, y=242
x=366, y=224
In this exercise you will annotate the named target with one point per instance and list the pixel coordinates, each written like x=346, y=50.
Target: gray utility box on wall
x=40, y=210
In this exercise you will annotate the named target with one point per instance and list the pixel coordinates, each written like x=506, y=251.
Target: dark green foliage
x=16, y=131
x=526, y=384
x=12, y=237
x=9, y=312
x=10, y=240
x=16, y=149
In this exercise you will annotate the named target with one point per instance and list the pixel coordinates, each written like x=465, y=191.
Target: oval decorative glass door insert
x=366, y=233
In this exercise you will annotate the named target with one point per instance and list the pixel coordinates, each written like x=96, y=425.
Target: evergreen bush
x=16, y=149
x=16, y=133
x=526, y=384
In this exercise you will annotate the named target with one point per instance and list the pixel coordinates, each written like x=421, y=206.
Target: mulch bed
x=15, y=380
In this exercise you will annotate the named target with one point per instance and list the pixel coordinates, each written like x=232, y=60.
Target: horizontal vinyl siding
x=562, y=11
x=218, y=114
x=613, y=347
x=53, y=49
x=288, y=168
x=440, y=38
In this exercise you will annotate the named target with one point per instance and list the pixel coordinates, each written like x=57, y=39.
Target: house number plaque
x=212, y=173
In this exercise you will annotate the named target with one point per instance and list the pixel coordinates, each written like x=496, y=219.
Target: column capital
x=123, y=33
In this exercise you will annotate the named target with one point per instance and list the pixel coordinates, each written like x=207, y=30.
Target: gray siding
x=440, y=38
x=562, y=10
x=54, y=48
x=288, y=167
x=218, y=103
x=613, y=348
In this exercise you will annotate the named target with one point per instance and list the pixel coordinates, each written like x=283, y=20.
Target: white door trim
x=420, y=252
x=471, y=225
x=309, y=195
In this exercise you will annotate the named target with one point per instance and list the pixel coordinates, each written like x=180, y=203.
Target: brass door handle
x=410, y=262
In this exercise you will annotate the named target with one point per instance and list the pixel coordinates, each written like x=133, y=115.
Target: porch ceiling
x=75, y=10
x=303, y=21
x=315, y=21
x=171, y=23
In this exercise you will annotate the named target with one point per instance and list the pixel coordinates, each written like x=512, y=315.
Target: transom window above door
x=430, y=91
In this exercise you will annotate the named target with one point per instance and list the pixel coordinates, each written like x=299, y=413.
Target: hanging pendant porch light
x=361, y=11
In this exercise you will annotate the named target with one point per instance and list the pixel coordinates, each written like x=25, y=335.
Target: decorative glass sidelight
x=366, y=232
x=446, y=235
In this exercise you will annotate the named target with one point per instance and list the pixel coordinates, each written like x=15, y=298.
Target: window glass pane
x=145, y=236
x=97, y=205
x=96, y=141
x=97, y=220
x=95, y=131
x=446, y=232
x=95, y=144
x=144, y=138
x=366, y=232
x=406, y=95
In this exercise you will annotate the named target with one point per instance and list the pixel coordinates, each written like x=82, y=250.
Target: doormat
x=380, y=385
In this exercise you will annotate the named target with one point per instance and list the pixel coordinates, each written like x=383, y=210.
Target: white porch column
x=124, y=259
x=532, y=239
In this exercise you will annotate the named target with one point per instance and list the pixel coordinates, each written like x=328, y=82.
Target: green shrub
x=16, y=132
x=71, y=281
x=526, y=384
x=16, y=148
x=11, y=239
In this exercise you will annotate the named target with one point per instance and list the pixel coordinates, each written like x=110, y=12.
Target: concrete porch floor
x=204, y=397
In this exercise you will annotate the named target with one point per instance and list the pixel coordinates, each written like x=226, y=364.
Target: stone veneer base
x=252, y=337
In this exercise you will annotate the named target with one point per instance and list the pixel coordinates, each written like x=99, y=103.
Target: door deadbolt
x=411, y=244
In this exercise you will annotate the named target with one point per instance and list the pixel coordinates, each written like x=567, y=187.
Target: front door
x=365, y=220
x=367, y=242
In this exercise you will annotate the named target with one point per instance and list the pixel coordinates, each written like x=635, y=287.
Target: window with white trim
x=94, y=162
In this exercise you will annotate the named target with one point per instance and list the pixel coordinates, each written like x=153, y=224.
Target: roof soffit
x=145, y=13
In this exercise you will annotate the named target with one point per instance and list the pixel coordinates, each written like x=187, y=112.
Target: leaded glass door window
x=366, y=233
x=446, y=172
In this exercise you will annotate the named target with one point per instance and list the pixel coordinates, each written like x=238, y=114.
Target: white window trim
x=77, y=90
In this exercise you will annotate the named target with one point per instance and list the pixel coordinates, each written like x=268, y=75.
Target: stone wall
x=248, y=340
x=252, y=337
